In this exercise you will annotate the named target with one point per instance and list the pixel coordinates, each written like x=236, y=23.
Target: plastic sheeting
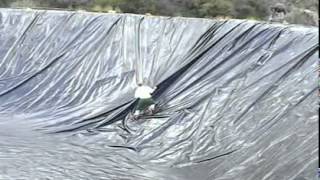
x=238, y=98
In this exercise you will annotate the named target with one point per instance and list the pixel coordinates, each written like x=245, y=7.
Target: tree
x=249, y=8
x=213, y=8
x=4, y=3
x=138, y=6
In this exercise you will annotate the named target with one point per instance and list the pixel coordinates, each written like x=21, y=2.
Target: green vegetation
x=242, y=9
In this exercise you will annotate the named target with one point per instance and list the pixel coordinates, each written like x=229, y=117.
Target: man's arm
x=153, y=89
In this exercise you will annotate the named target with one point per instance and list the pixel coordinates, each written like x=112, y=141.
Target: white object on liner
x=143, y=92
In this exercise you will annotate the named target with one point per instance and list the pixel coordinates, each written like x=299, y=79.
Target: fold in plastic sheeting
x=238, y=98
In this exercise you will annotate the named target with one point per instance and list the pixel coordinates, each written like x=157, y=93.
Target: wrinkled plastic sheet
x=238, y=98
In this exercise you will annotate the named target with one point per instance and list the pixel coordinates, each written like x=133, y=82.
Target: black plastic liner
x=238, y=98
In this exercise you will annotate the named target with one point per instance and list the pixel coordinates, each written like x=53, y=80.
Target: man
x=145, y=103
x=278, y=13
